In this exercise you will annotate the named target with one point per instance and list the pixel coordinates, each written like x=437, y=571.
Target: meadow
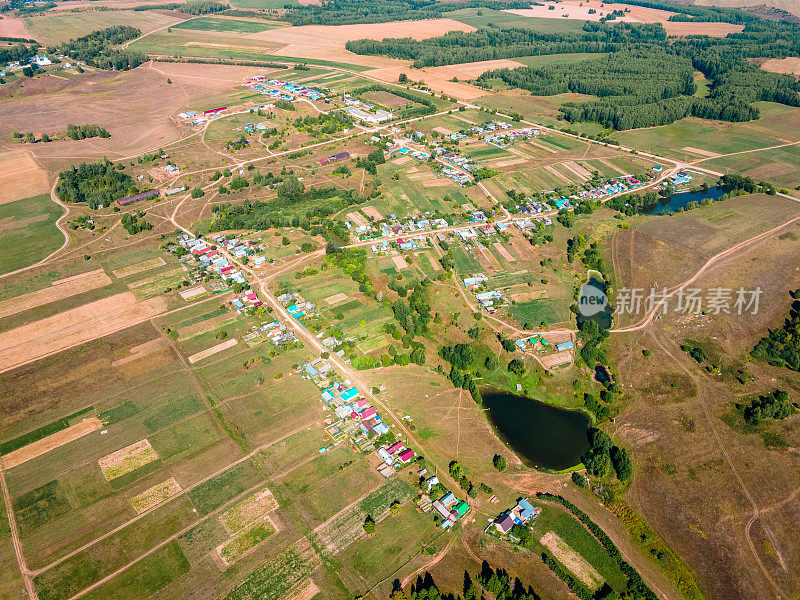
x=28, y=232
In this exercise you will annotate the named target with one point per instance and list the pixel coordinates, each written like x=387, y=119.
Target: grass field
x=55, y=28
x=212, y=24
x=28, y=232
x=470, y=16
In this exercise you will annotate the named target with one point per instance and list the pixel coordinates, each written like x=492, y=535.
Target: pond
x=540, y=434
x=679, y=201
x=602, y=375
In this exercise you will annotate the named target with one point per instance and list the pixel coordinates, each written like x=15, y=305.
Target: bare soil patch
x=357, y=218
x=213, y=350
x=700, y=151
x=506, y=162
x=20, y=176
x=75, y=326
x=503, y=252
x=399, y=262
x=554, y=360
x=371, y=211
x=14, y=27
x=51, y=442
x=193, y=292
x=336, y=298
x=141, y=351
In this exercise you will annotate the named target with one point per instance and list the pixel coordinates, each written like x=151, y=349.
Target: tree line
x=82, y=132
x=189, y=8
x=781, y=347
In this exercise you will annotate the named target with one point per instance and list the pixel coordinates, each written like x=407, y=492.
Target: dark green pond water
x=540, y=434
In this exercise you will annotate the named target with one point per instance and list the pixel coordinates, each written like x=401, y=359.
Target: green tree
x=369, y=525
x=499, y=462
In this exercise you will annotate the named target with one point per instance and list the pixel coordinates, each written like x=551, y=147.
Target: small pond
x=680, y=200
x=540, y=434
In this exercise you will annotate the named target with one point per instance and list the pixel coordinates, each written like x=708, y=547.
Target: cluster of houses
x=539, y=342
x=278, y=334
x=416, y=153
x=490, y=300
x=246, y=301
x=392, y=226
x=504, y=139
x=450, y=509
x=458, y=168
x=680, y=178
x=213, y=260
x=281, y=90
x=298, y=307
x=394, y=455
x=521, y=514
x=535, y=223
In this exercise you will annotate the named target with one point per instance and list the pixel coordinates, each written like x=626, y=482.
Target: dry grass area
x=47, y=336
x=573, y=561
x=139, y=267
x=700, y=151
x=13, y=27
x=51, y=442
x=132, y=105
x=213, y=350
x=63, y=288
x=324, y=41
x=20, y=175
x=790, y=66
x=155, y=495
x=127, y=459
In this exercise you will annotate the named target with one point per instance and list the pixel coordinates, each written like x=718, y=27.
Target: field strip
x=127, y=459
x=20, y=176
x=139, y=267
x=701, y=152
x=576, y=169
x=336, y=298
x=610, y=165
x=356, y=218
x=35, y=340
x=161, y=492
x=306, y=592
x=51, y=442
x=213, y=350
x=63, y=288
x=191, y=293
x=542, y=147
x=141, y=351
x=503, y=252
x=574, y=562
x=557, y=174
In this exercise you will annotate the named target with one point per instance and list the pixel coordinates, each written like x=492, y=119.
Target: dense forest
x=82, y=132
x=97, y=183
x=97, y=49
x=348, y=12
x=781, y=347
x=645, y=81
x=188, y=8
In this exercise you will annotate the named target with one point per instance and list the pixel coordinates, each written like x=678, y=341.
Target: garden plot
x=139, y=267
x=127, y=459
x=336, y=298
x=246, y=540
x=247, y=511
x=213, y=350
x=51, y=442
x=503, y=252
x=60, y=289
x=573, y=561
x=161, y=492
x=346, y=526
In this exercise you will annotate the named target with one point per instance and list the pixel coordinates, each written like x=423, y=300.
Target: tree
x=517, y=367
x=499, y=462
x=403, y=78
x=45, y=138
x=369, y=525
x=419, y=355
x=578, y=479
x=456, y=470
x=394, y=507
x=491, y=362
x=621, y=461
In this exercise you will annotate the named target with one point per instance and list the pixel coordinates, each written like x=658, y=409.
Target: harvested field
x=573, y=9
x=20, y=176
x=13, y=27
x=503, y=252
x=336, y=298
x=558, y=174
x=63, y=288
x=573, y=561
x=247, y=511
x=439, y=78
x=213, y=350
x=554, y=360
x=683, y=28
x=700, y=151
x=437, y=182
x=399, y=262
x=386, y=99
x=51, y=442
x=402, y=160
x=154, y=496
x=76, y=326
x=193, y=292
x=141, y=351
x=371, y=211
x=127, y=459
x=578, y=169
x=789, y=66
x=315, y=41
x=139, y=267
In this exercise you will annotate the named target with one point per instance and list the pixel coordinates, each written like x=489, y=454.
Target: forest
x=98, y=183
x=97, y=49
x=645, y=81
x=348, y=12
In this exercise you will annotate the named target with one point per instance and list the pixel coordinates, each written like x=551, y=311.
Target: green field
x=212, y=24
x=28, y=231
x=534, y=312
x=470, y=16
x=55, y=28
x=264, y=4
x=557, y=59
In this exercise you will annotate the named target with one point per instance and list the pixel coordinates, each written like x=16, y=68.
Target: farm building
x=137, y=197
x=332, y=159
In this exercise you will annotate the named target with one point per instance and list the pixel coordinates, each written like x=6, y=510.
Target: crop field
x=55, y=28
x=780, y=166
x=498, y=18
x=208, y=44
x=28, y=232
x=212, y=24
